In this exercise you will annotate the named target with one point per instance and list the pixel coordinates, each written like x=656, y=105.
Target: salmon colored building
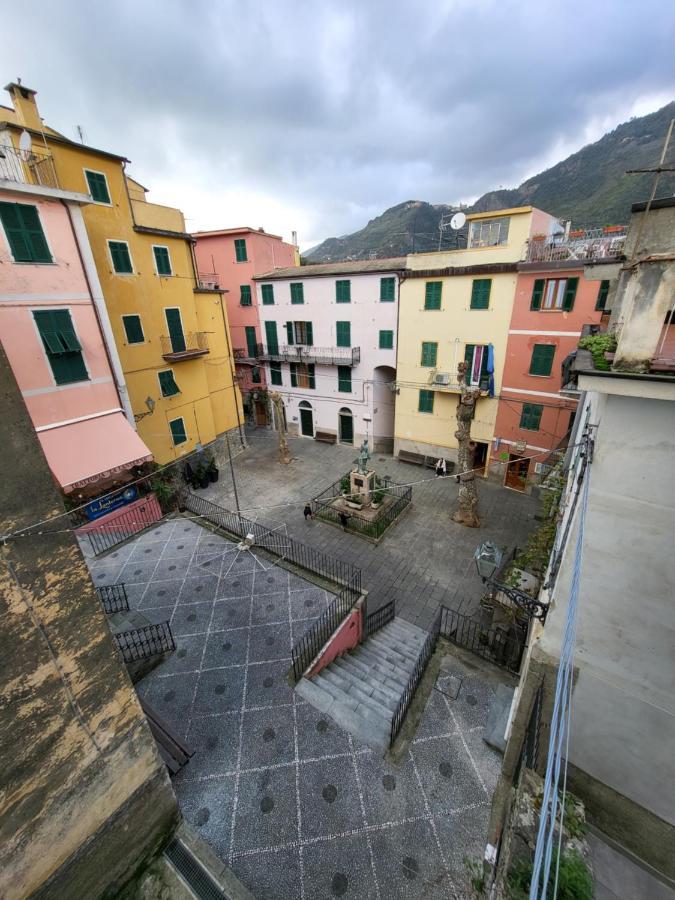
x=229, y=259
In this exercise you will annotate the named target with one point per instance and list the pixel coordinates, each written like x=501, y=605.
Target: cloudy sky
x=316, y=115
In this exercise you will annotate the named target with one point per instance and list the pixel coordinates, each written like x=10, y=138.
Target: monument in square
x=362, y=478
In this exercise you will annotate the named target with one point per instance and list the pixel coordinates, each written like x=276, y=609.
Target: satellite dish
x=457, y=221
x=25, y=142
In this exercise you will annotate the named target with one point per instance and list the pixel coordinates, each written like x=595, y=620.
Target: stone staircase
x=361, y=690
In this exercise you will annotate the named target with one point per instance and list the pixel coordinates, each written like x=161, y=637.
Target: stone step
x=374, y=685
x=348, y=690
x=405, y=629
x=369, y=661
x=366, y=724
x=402, y=667
x=394, y=642
x=396, y=653
x=379, y=671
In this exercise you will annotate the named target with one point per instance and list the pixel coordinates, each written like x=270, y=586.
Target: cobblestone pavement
x=423, y=561
x=297, y=807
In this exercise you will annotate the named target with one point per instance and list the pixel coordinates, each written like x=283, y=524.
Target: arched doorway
x=346, y=426
x=306, y=419
x=384, y=397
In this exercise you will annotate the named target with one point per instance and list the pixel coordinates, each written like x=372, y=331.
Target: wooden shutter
x=311, y=378
x=275, y=373
x=133, y=329
x=297, y=293
x=570, y=294
x=289, y=332
x=268, y=294
x=343, y=293
x=18, y=242
x=162, y=260
x=386, y=340
x=61, y=345
x=24, y=233
x=542, y=359
x=429, y=353
x=432, y=294
x=251, y=342
x=480, y=293
x=272, y=338
x=168, y=384
x=344, y=379
x=178, y=434
x=603, y=291
x=426, y=401
x=37, y=243
x=245, y=298
x=294, y=374
x=537, y=293
x=387, y=289
x=309, y=334
x=343, y=332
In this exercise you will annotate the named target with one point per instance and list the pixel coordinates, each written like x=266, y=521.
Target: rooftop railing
x=584, y=244
x=27, y=167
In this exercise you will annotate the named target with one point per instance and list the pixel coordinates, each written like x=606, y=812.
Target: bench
x=417, y=459
x=325, y=437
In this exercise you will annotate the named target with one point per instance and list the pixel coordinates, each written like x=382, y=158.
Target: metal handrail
x=428, y=648
x=196, y=342
x=337, y=356
x=493, y=645
x=113, y=598
x=380, y=618
x=142, y=643
x=316, y=636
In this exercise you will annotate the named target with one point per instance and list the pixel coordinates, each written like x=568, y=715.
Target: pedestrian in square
x=344, y=519
x=307, y=512
x=440, y=468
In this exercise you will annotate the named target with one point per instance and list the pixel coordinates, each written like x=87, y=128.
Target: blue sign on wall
x=104, y=505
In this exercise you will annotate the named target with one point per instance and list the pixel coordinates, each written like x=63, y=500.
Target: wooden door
x=516, y=472
x=346, y=428
x=306, y=422
x=260, y=413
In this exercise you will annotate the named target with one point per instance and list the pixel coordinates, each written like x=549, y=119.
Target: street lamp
x=488, y=558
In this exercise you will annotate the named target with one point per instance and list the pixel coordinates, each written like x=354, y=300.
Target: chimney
x=25, y=107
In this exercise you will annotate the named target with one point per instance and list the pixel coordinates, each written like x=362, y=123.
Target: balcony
x=448, y=383
x=243, y=354
x=179, y=347
x=325, y=356
x=585, y=245
x=27, y=167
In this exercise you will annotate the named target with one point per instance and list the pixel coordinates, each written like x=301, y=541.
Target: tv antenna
x=450, y=220
x=80, y=133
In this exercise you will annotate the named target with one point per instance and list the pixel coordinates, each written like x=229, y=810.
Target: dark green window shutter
x=167, y=384
x=570, y=294
x=343, y=291
x=386, y=340
x=432, y=294
x=133, y=329
x=289, y=332
x=542, y=359
x=426, y=402
x=297, y=293
x=537, y=293
x=387, y=290
x=311, y=369
x=429, y=353
x=309, y=334
x=251, y=341
x=343, y=334
x=24, y=233
x=119, y=253
x=468, y=356
x=294, y=374
x=275, y=373
x=98, y=186
x=240, y=250
x=175, y=326
x=268, y=294
x=178, y=433
x=480, y=293
x=344, y=379
x=272, y=338
x=255, y=375
x=162, y=260
x=61, y=345
x=530, y=417
x=245, y=298
x=603, y=291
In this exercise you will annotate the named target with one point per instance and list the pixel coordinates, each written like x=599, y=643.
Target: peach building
x=229, y=258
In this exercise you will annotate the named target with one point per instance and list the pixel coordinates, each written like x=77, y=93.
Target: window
x=178, y=432
x=429, y=353
x=133, y=329
x=343, y=331
x=386, y=340
x=24, y=233
x=61, y=345
x=251, y=341
x=240, y=250
x=268, y=294
x=542, y=359
x=297, y=293
x=554, y=293
x=531, y=416
x=432, y=294
x=121, y=260
x=387, y=290
x=98, y=186
x=489, y=232
x=426, y=402
x=255, y=375
x=476, y=358
x=300, y=333
x=174, y=323
x=480, y=293
x=162, y=260
x=344, y=379
x=245, y=298
x=272, y=338
x=275, y=373
x=603, y=291
x=167, y=384
x=343, y=292
x=302, y=375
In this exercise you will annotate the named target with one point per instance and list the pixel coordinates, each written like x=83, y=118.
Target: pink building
x=56, y=332
x=230, y=258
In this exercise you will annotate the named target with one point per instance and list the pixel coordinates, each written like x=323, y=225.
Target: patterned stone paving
x=298, y=808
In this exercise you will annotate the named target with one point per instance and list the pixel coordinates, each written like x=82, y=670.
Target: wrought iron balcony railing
x=243, y=354
x=328, y=356
x=177, y=347
x=584, y=244
x=27, y=167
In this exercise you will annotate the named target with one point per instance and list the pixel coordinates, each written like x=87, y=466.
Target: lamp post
x=488, y=558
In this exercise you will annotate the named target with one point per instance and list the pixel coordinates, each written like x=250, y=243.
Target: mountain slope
x=590, y=187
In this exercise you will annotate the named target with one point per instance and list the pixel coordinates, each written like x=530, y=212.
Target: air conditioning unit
x=442, y=378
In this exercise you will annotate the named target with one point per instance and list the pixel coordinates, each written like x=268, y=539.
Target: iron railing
x=380, y=618
x=330, y=356
x=142, y=643
x=318, y=633
x=125, y=525
x=27, y=167
x=423, y=658
x=356, y=521
x=584, y=244
x=113, y=598
x=504, y=649
x=184, y=346
x=447, y=381
x=243, y=353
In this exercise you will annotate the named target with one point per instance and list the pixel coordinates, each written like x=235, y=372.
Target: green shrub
x=378, y=496
x=574, y=879
x=599, y=344
x=344, y=484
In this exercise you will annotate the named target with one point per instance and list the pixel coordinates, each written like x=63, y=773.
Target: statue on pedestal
x=364, y=457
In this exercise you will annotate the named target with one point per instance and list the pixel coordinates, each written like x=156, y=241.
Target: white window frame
x=185, y=432
x=154, y=259
x=112, y=264
x=107, y=187
x=140, y=322
x=554, y=293
x=485, y=241
x=297, y=342
x=483, y=350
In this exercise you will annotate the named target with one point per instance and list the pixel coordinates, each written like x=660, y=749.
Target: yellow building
x=456, y=305
x=171, y=333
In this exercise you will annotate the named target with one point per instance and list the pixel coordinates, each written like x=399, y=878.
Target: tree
x=467, y=512
x=278, y=404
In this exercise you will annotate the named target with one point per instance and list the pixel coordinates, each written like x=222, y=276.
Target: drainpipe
x=79, y=233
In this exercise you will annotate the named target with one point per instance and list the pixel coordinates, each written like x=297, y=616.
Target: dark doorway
x=260, y=413
x=306, y=421
x=516, y=472
x=346, y=426
x=480, y=455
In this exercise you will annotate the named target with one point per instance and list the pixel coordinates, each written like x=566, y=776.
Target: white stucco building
x=329, y=335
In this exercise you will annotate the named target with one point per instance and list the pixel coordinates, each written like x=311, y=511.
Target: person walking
x=344, y=519
x=440, y=469
x=307, y=512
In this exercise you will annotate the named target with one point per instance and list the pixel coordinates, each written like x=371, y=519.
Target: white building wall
x=368, y=315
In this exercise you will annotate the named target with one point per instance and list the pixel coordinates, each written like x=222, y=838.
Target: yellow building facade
x=171, y=334
x=456, y=305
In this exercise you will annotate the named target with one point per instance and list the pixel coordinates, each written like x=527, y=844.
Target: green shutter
x=429, y=353
x=251, y=341
x=386, y=340
x=119, y=253
x=387, y=290
x=343, y=291
x=167, y=384
x=542, y=359
x=175, y=326
x=275, y=373
x=255, y=375
x=61, y=345
x=426, y=402
x=272, y=338
x=98, y=186
x=289, y=333
x=240, y=250
x=570, y=294
x=24, y=233
x=178, y=433
x=432, y=294
x=309, y=334
x=133, y=329
x=245, y=298
x=530, y=417
x=480, y=293
x=311, y=369
x=162, y=260
x=344, y=379
x=343, y=334
x=603, y=291
x=294, y=374
x=268, y=294
x=297, y=293
x=537, y=293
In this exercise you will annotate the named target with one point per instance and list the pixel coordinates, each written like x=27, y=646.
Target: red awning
x=85, y=452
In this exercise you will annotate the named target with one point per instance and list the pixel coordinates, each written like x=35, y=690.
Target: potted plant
x=354, y=501
x=202, y=474
x=212, y=471
x=344, y=485
x=378, y=497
